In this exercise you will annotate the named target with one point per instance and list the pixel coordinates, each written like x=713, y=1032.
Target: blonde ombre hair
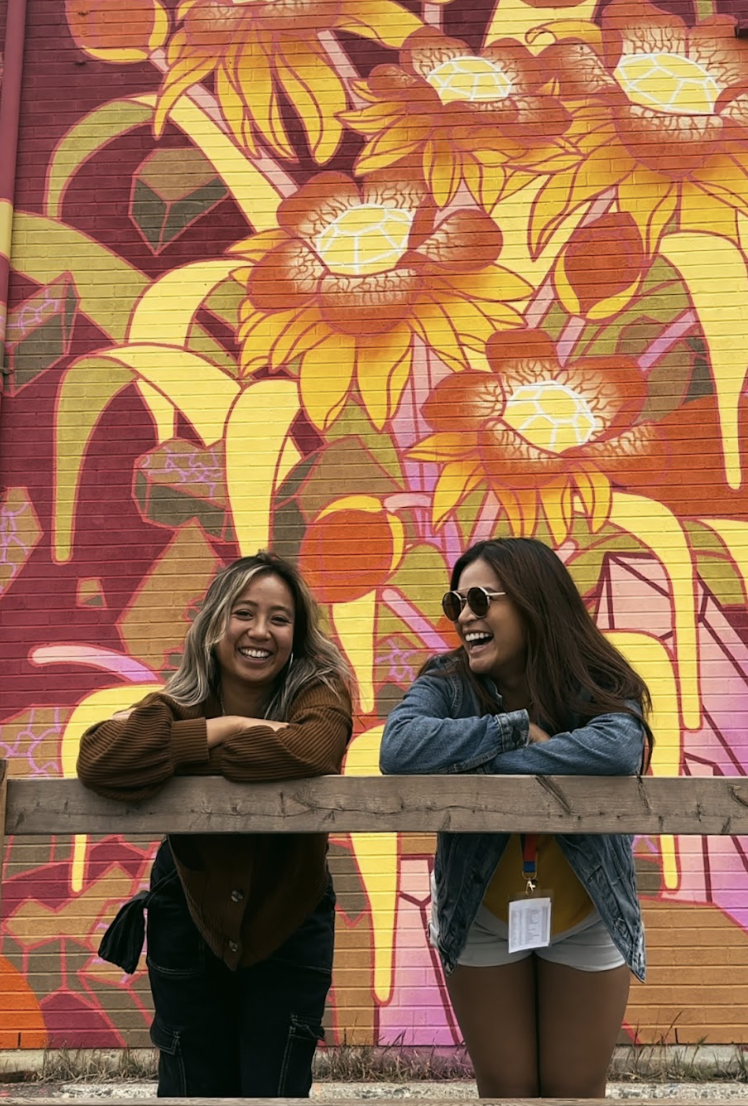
x=315, y=657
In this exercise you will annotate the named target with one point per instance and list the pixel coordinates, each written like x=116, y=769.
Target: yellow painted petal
x=595, y=491
x=495, y=284
x=256, y=436
x=658, y=528
x=376, y=366
x=456, y=480
x=442, y=170
x=233, y=110
x=178, y=80
x=253, y=75
x=376, y=856
x=381, y=20
x=261, y=333
x=700, y=211
x=386, y=148
x=305, y=332
x=355, y=626
x=443, y=447
x=165, y=311
x=97, y=705
x=368, y=503
x=316, y=92
x=556, y=499
x=651, y=200
x=326, y=375
x=720, y=307
x=649, y=657
x=198, y=388
x=581, y=28
x=511, y=214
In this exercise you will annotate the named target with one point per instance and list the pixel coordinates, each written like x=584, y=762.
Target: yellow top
x=571, y=903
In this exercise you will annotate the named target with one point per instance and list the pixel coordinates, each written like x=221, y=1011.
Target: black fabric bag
x=123, y=941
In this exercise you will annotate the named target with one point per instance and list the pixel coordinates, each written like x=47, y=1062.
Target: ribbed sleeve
x=131, y=758
x=313, y=744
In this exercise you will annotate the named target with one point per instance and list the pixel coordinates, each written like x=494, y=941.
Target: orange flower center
x=469, y=78
x=668, y=82
x=550, y=416
x=367, y=238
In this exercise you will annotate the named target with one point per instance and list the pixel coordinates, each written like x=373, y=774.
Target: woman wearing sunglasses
x=537, y=934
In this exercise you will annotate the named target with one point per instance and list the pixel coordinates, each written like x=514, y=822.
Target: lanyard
x=529, y=860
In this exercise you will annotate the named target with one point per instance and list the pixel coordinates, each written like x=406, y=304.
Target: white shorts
x=587, y=947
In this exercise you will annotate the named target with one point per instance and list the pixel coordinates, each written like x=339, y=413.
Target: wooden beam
x=464, y=803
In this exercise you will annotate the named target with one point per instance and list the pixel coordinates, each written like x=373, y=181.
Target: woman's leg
x=579, y=1018
x=495, y=1009
x=194, y=1025
x=282, y=1003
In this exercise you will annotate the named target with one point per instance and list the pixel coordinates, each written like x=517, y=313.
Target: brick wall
x=369, y=281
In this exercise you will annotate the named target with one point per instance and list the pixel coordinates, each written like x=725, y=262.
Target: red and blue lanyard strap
x=530, y=861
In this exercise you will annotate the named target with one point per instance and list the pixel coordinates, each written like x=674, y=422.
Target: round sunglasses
x=478, y=599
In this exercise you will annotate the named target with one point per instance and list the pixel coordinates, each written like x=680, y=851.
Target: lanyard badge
x=530, y=914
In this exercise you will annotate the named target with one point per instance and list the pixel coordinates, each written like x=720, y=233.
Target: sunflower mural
x=366, y=281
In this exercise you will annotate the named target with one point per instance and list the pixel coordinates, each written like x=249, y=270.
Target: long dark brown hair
x=572, y=670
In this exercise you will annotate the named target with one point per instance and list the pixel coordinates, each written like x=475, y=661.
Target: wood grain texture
x=465, y=803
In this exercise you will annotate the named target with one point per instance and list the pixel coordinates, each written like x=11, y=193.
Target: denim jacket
x=439, y=727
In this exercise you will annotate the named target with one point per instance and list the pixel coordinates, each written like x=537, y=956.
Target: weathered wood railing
x=374, y=804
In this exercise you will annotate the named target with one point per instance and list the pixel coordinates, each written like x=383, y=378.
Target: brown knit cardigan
x=246, y=893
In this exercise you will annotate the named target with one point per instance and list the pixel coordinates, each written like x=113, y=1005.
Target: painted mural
x=366, y=281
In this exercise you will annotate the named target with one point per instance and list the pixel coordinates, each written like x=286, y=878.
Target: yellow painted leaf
x=163, y=413
x=734, y=535
x=165, y=311
x=355, y=626
x=376, y=856
x=44, y=249
x=648, y=656
x=257, y=432
x=95, y=707
x=89, y=134
x=253, y=191
x=200, y=390
x=86, y=390
x=724, y=323
x=658, y=529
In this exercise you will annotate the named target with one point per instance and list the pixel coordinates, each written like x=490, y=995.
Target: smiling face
x=259, y=637
x=495, y=643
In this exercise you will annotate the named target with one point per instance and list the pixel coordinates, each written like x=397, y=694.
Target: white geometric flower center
x=469, y=78
x=367, y=238
x=668, y=82
x=550, y=416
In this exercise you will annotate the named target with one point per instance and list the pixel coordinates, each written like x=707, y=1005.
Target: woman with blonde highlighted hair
x=240, y=926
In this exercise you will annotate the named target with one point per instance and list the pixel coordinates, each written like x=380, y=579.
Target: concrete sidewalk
x=445, y=1091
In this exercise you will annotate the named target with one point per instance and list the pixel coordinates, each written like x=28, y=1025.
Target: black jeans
x=249, y=1033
